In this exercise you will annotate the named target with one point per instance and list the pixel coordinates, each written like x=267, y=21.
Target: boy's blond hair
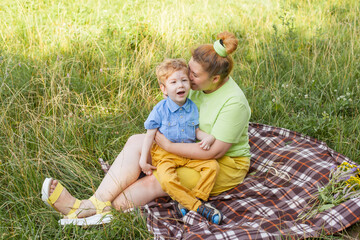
x=168, y=67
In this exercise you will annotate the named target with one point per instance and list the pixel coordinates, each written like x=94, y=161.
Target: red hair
x=168, y=67
x=212, y=62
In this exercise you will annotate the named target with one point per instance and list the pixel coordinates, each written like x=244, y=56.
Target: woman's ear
x=216, y=79
x=163, y=89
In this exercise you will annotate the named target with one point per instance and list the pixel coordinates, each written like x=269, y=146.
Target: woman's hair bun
x=229, y=40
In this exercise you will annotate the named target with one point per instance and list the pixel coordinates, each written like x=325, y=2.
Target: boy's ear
x=216, y=78
x=163, y=89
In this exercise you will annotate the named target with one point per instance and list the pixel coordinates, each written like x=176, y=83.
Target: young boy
x=177, y=118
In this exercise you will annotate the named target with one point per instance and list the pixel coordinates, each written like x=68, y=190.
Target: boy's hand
x=207, y=142
x=146, y=168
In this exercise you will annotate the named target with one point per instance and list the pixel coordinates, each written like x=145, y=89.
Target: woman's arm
x=192, y=150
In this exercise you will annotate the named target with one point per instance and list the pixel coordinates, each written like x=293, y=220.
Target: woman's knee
x=134, y=143
x=140, y=193
x=135, y=139
x=152, y=183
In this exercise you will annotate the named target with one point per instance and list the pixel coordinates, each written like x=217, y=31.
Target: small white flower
x=273, y=100
x=306, y=96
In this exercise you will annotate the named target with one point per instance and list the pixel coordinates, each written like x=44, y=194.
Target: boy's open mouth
x=180, y=93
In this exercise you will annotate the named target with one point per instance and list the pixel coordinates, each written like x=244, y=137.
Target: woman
x=224, y=113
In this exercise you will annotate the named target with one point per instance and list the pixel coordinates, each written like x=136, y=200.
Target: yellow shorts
x=232, y=172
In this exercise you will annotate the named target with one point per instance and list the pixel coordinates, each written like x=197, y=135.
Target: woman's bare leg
x=139, y=193
x=124, y=172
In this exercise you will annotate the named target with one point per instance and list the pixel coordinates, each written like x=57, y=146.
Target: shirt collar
x=174, y=107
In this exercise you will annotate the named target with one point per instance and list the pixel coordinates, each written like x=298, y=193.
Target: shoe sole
x=45, y=191
x=97, y=219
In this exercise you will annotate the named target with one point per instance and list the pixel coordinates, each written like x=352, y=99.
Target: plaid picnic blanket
x=286, y=170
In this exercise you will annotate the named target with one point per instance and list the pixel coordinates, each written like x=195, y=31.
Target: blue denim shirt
x=177, y=123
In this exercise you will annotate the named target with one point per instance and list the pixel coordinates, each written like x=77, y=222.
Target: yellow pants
x=232, y=172
x=167, y=163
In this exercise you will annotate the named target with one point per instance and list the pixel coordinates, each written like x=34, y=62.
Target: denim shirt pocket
x=171, y=131
x=190, y=129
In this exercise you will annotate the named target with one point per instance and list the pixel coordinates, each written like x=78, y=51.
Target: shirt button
x=182, y=130
x=180, y=109
x=181, y=116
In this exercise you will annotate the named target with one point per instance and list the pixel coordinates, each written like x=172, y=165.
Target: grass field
x=77, y=79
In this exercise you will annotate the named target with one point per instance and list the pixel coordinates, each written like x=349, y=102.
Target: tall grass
x=77, y=79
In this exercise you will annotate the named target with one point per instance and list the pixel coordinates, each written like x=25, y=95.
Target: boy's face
x=177, y=87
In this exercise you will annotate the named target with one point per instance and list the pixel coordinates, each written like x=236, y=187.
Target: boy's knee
x=166, y=179
x=166, y=184
x=214, y=165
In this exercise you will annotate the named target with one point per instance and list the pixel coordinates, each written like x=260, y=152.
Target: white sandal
x=51, y=199
x=71, y=218
x=99, y=218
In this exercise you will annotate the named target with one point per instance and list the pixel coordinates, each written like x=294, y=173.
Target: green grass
x=77, y=79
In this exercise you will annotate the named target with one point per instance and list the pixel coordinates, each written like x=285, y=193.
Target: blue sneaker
x=180, y=209
x=210, y=213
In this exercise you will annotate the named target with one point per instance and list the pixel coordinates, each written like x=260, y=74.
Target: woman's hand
x=162, y=141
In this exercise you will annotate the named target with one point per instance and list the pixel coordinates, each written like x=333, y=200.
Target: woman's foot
x=65, y=203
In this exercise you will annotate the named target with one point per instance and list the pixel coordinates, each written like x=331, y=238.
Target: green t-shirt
x=225, y=114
